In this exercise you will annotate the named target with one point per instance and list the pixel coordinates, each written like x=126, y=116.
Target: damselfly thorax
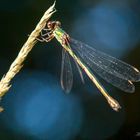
x=54, y=30
x=90, y=60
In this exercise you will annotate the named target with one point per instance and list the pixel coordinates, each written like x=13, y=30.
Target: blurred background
x=36, y=107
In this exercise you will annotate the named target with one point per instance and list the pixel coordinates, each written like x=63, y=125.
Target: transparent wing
x=114, y=71
x=80, y=72
x=66, y=72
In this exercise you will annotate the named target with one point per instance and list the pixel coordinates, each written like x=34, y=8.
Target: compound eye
x=49, y=24
x=58, y=23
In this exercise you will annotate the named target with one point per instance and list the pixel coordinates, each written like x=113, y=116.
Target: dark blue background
x=36, y=108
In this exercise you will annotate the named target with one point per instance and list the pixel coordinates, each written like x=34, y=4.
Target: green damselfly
x=112, y=70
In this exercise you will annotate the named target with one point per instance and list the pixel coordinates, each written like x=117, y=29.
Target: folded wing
x=114, y=71
x=66, y=72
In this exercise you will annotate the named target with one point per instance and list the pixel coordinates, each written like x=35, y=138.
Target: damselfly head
x=53, y=24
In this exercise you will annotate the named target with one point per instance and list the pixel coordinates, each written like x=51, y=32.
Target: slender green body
x=59, y=34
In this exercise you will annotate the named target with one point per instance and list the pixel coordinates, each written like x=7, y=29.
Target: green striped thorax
x=58, y=33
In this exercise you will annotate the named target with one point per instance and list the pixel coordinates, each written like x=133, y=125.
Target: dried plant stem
x=27, y=47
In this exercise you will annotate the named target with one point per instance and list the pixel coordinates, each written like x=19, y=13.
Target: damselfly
x=114, y=71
